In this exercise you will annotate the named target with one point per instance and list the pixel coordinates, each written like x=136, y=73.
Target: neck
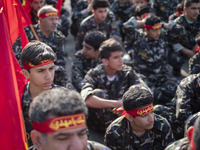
x=110, y=72
x=188, y=19
x=97, y=21
x=136, y=130
x=34, y=91
x=45, y=33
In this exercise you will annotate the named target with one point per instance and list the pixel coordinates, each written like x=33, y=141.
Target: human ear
x=104, y=61
x=26, y=74
x=36, y=139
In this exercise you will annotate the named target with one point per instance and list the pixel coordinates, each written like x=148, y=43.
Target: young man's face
x=37, y=4
x=153, y=34
x=73, y=139
x=42, y=77
x=89, y=52
x=100, y=14
x=49, y=24
x=138, y=2
x=114, y=62
x=145, y=122
x=192, y=11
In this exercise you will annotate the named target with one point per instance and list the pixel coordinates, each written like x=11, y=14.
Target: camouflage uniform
x=173, y=17
x=194, y=64
x=119, y=135
x=109, y=27
x=80, y=67
x=96, y=78
x=26, y=101
x=56, y=41
x=164, y=8
x=181, y=144
x=90, y=146
x=150, y=58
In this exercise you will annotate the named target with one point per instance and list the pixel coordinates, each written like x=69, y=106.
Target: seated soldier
x=37, y=60
x=101, y=20
x=194, y=62
x=58, y=117
x=105, y=84
x=46, y=31
x=87, y=58
x=150, y=55
x=138, y=127
x=191, y=142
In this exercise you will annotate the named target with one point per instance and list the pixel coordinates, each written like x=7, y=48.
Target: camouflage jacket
x=80, y=67
x=26, y=101
x=194, y=64
x=109, y=27
x=190, y=29
x=164, y=8
x=181, y=144
x=90, y=146
x=188, y=97
x=150, y=57
x=95, y=79
x=119, y=135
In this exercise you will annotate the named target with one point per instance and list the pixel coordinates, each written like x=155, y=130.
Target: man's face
x=100, y=14
x=49, y=24
x=153, y=34
x=138, y=2
x=37, y=4
x=192, y=11
x=73, y=139
x=114, y=62
x=89, y=52
x=42, y=77
x=145, y=122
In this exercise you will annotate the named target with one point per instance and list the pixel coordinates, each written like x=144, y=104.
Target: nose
x=76, y=144
x=48, y=75
x=151, y=117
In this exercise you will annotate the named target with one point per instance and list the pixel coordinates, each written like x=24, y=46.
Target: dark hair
x=188, y=3
x=142, y=9
x=179, y=7
x=35, y=52
x=196, y=133
x=54, y=103
x=109, y=46
x=137, y=96
x=100, y=4
x=94, y=38
x=152, y=19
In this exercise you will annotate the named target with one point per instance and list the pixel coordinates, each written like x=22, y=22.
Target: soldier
x=164, y=8
x=179, y=11
x=101, y=20
x=191, y=142
x=138, y=127
x=58, y=118
x=104, y=85
x=194, y=62
x=142, y=11
x=185, y=47
x=150, y=55
x=37, y=60
x=47, y=33
x=87, y=58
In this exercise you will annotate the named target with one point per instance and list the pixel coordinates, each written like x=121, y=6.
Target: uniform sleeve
x=194, y=64
x=80, y=36
x=168, y=135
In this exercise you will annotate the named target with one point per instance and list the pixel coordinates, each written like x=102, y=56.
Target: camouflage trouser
x=169, y=112
x=99, y=119
x=176, y=59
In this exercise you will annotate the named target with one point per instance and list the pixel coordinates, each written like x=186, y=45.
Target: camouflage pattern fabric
x=109, y=27
x=119, y=135
x=181, y=144
x=194, y=64
x=96, y=79
x=80, y=67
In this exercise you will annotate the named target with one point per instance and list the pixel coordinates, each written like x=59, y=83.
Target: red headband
x=60, y=123
x=137, y=112
x=47, y=14
x=192, y=144
x=29, y=65
x=178, y=13
x=153, y=27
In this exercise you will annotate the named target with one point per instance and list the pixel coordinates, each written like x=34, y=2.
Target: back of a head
x=196, y=133
x=136, y=97
x=94, y=38
x=55, y=103
x=100, y=4
x=179, y=7
x=188, y=3
x=142, y=9
x=109, y=46
x=35, y=52
x=152, y=19
x=46, y=8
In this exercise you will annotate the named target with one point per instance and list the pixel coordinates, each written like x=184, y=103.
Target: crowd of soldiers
x=127, y=67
